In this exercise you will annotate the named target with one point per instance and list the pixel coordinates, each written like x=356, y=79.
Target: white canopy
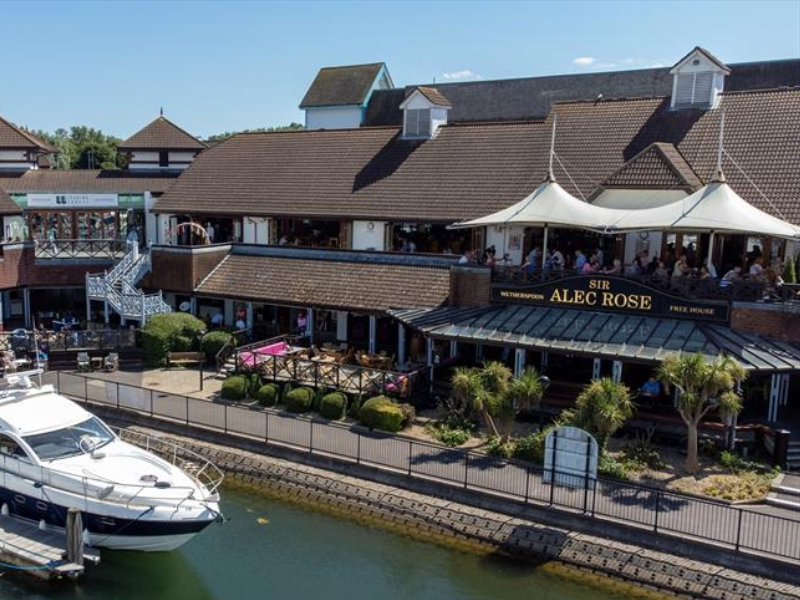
x=713, y=208
x=550, y=205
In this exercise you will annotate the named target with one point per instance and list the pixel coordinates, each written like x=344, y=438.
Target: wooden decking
x=38, y=552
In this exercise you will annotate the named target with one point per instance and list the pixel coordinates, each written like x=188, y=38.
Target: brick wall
x=470, y=286
x=780, y=321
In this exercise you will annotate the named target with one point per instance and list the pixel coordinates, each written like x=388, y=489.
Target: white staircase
x=117, y=288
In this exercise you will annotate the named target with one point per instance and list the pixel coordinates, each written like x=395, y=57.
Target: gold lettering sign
x=603, y=299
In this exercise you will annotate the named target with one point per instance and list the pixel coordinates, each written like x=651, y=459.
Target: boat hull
x=141, y=530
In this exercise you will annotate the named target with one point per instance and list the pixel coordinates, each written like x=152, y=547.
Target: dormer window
x=418, y=122
x=698, y=80
x=424, y=111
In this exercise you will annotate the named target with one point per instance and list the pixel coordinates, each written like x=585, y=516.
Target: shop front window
x=97, y=225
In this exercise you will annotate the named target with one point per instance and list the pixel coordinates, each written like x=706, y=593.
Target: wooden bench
x=185, y=358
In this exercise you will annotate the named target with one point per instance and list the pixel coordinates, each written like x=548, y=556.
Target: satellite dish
x=185, y=306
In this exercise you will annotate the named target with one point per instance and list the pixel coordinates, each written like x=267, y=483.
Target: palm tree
x=602, y=408
x=469, y=390
x=527, y=390
x=703, y=386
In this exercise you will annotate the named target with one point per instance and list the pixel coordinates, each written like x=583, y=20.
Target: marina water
x=269, y=550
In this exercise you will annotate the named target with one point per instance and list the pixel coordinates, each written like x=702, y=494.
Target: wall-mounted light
x=370, y=225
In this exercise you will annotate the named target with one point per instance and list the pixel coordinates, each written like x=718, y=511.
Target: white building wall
x=163, y=228
x=636, y=242
x=181, y=156
x=369, y=238
x=504, y=241
x=144, y=156
x=256, y=230
x=636, y=199
x=333, y=117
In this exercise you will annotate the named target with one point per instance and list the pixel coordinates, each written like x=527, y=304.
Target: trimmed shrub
x=333, y=405
x=267, y=395
x=253, y=384
x=299, y=400
x=531, y=448
x=234, y=388
x=161, y=332
x=381, y=413
x=214, y=341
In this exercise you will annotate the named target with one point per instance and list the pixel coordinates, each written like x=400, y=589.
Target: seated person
x=650, y=388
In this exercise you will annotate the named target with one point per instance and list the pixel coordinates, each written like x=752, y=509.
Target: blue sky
x=217, y=66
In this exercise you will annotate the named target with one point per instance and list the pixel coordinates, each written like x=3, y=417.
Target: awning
x=715, y=207
x=549, y=205
x=599, y=334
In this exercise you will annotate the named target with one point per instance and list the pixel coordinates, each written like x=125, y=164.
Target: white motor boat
x=54, y=455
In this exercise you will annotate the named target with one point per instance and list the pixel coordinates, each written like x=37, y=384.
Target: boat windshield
x=77, y=439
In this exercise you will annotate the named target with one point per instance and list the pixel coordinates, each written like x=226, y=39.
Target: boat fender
x=102, y=494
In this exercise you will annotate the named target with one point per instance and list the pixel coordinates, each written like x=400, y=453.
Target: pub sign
x=615, y=294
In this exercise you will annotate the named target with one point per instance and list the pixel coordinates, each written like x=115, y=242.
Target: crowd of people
x=685, y=264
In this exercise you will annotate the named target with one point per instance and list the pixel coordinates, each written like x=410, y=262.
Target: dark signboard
x=615, y=294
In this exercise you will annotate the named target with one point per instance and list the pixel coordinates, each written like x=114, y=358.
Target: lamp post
x=200, y=335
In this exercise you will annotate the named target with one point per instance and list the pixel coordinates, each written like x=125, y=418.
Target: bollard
x=74, y=536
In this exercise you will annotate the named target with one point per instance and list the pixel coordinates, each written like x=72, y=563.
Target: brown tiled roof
x=80, y=180
x=762, y=136
x=7, y=205
x=161, y=134
x=12, y=136
x=660, y=166
x=341, y=86
x=465, y=172
x=333, y=284
x=434, y=95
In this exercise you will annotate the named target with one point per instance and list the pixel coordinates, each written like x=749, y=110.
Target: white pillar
x=709, y=260
x=616, y=371
x=401, y=343
x=341, y=326
x=453, y=348
x=193, y=305
x=429, y=351
x=774, y=397
x=249, y=320
x=373, y=333
x=596, y=368
x=310, y=325
x=105, y=312
x=544, y=250
x=519, y=361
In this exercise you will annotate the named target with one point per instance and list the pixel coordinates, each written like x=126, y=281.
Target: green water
x=302, y=555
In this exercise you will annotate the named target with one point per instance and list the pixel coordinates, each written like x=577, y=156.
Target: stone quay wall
x=633, y=568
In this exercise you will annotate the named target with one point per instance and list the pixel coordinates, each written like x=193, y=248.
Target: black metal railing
x=83, y=339
x=744, y=290
x=637, y=506
x=80, y=249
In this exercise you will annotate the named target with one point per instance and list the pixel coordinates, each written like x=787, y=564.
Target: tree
x=703, y=386
x=602, y=408
x=486, y=392
x=83, y=148
x=527, y=390
x=219, y=137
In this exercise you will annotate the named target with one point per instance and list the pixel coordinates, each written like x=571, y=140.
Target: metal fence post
x=658, y=508
x=466, y=469
x=527, y=483
x=410, y=446
x=117, y=394
x=358, y=448
x=553, y=467
x=86, y=389
x=225, y=414
x=739, y=529
x=311, y=437
x=187, y=409
x=151, y=402
x=266, y=432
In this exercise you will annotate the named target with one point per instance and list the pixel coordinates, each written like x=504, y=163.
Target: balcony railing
x=101, y=339
x=80, y=249
x=743, y=290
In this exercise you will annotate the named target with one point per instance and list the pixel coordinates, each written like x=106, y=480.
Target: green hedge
x=268, y=394
x=299, y=400
x=234, y=388
x=381, y=413
x=214, y=341
x=333, y=405
x=170, y=332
